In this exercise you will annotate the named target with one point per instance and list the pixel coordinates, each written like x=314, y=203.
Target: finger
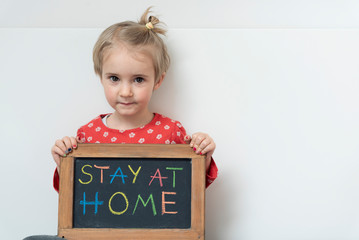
x=68, y=144
x=203, y=146
x=57, y=153
x=209, y=149
x=73, y=142
x=197, y=141
x=193, y=139
x=187, y=139
x=61, y=145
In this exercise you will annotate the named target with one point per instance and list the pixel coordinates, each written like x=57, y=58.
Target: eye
x=114, y=78
x=139, y=80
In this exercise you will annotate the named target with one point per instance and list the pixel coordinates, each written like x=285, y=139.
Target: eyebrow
x=110, y=74
x=140, y=75
x=118, y=75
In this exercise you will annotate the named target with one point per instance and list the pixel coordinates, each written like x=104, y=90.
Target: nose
x=125, y=90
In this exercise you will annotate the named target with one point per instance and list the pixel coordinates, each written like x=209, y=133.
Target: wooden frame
x=65, y=216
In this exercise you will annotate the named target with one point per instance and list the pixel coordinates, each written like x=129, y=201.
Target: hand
x=202, y=144
x=62, y=147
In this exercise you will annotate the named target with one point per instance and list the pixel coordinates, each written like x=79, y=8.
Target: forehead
x=120, y=54
x=140, y=53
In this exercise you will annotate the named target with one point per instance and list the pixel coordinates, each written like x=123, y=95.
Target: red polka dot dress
x=161, y=130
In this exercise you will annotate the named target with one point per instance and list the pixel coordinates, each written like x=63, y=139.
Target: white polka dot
x=113, y=139
x=159, y=136
x=131, y=135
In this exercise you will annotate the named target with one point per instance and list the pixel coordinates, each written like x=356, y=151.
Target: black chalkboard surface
x=132, y=193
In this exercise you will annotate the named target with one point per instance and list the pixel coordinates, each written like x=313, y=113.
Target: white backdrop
x=281, y=104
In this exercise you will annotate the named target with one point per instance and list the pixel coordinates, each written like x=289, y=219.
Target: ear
x=159, y=82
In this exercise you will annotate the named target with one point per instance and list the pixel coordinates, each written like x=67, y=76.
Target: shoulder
x=171, y=126
x=91, y=126
x=163, y=120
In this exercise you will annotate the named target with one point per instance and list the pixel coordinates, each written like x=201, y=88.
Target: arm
x=203, y=144
x=61, y=148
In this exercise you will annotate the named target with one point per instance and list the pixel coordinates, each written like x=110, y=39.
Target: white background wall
x=274, y=82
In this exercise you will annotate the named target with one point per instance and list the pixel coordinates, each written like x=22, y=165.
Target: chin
x=123, y=112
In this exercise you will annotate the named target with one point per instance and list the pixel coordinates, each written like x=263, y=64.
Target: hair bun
x=152, y=22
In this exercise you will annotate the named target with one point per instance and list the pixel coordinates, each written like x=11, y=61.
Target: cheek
x=145, y=94
x=110, y=93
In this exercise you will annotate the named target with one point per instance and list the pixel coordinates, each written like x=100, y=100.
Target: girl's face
x=128, y=78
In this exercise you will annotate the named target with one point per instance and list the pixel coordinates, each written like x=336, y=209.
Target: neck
x=117, y=121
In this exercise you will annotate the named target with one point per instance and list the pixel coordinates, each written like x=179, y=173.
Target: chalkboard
x=132, y=191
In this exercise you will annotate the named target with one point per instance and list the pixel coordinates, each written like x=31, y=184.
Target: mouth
x=126, y=103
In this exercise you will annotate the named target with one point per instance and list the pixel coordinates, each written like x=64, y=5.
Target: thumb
x=187, y=139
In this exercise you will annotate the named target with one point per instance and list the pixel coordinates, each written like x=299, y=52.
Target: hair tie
x=149, y=26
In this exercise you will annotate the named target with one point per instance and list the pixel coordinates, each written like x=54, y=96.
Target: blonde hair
x=143, y=33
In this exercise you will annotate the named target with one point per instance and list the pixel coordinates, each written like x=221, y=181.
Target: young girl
x=132, y=60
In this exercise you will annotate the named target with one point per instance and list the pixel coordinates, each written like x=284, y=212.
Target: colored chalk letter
x=82, y=169
x=102, y=168
x=134, y=173
x=115, y=175
x=174, y=174
x=145, y=204
x=109, y=203
x=164, y=203
x=96, y=203
x=159, y=177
